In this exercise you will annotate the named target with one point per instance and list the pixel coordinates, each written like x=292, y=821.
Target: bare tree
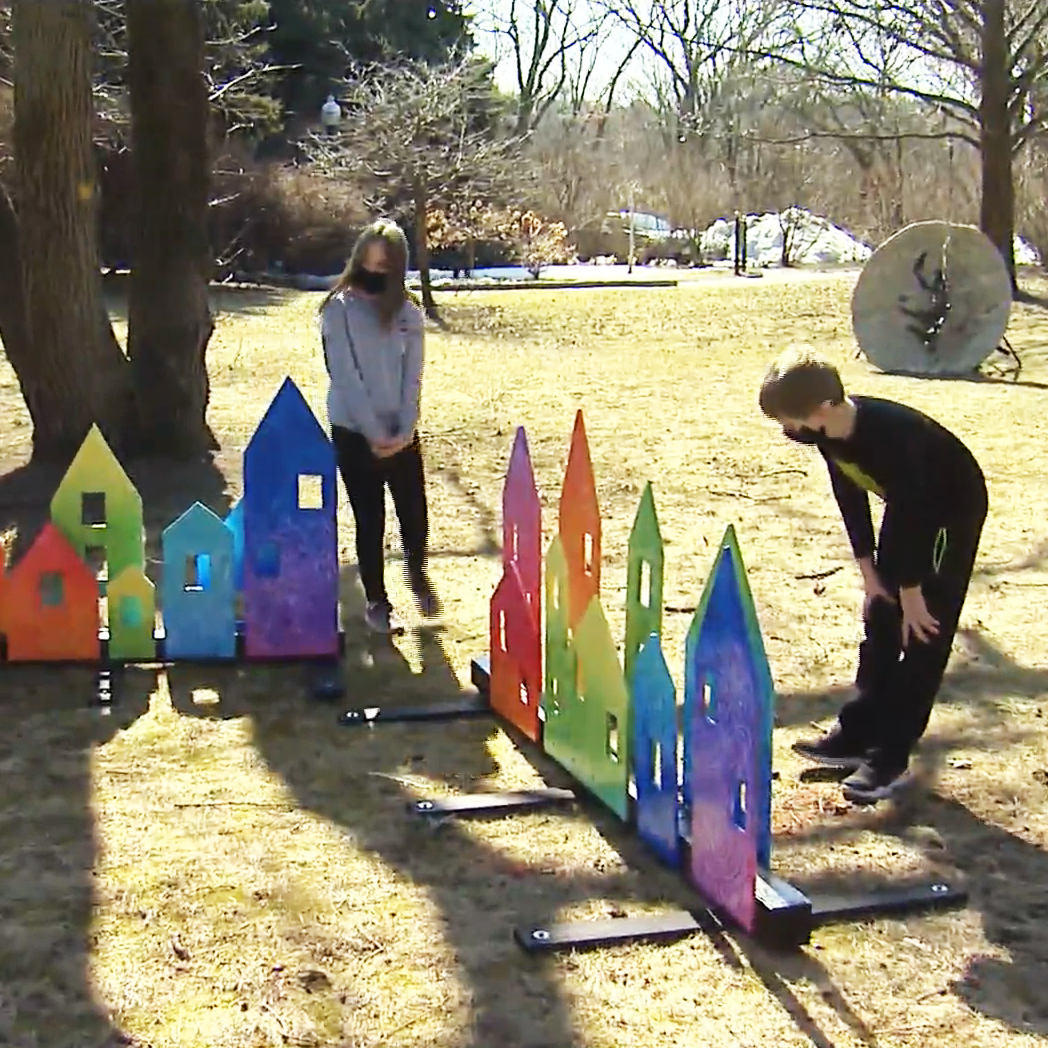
x=543, y=39
x=58, y=338
x=982, y=63
x=422, y=136
x=169, y=317
x=703, y=78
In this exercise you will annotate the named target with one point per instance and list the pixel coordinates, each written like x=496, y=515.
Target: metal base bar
x=613, y=931
x=938, y=895
x=783, y=921
x=503, y=803
x=454, y=709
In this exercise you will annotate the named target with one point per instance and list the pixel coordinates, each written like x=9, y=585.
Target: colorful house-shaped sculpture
x=3, y=585
x=98, y=510
x=515, y=614
x=52, y=604
x=132, y=616
x=579, y=525
x=516, y=656
x=728, y=715
x=290, y=539
x=197, y=587
x=235, y=523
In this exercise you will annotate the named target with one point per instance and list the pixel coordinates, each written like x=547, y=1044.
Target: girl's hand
x=917, y=620
x=388, y=448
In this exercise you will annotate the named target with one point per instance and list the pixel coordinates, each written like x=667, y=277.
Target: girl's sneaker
x=877, y=780
x=425, y=596
x=380, y=618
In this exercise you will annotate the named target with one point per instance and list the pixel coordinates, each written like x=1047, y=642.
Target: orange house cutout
x=51, y=604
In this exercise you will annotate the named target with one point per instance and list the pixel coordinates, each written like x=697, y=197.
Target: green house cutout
x=98, y=510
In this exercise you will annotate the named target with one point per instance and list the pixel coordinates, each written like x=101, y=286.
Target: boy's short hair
x=798, y=382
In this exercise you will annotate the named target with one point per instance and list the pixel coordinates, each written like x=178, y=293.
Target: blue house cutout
x=235, y=523
x=655, y=762
x=197, y=596
x=290, y=534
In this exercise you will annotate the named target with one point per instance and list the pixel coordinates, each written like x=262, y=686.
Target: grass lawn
x=215, y=864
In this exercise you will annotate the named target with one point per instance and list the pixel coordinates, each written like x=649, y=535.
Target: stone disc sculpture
x=933, y=299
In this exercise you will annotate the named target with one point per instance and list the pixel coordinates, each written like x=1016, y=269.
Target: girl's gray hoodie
x=375, y=371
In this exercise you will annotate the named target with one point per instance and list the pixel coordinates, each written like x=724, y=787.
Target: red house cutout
x=51, y=604
x=515, y=686
x=579, y=525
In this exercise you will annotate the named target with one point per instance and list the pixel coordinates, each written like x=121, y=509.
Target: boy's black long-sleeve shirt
x=925, y=475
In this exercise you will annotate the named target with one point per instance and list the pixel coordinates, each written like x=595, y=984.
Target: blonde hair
x=798, y=382
x=387, y=233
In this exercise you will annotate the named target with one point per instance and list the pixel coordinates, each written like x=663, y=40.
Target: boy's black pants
x=895, y=695
x=366, y=477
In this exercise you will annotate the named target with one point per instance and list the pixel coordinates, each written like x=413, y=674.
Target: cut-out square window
x=130, y=612
x=613, y=737
x=709, y=710
x=267, y=561
x=739, y=813
x=93, y=509
x=95, y=558
x=310, y=491
x=198, y=573
x=52, y=589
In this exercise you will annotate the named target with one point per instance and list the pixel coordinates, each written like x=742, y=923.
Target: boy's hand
x=917, y=620
x=873, y=587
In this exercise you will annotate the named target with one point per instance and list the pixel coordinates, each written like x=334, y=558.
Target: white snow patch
x=811, y=239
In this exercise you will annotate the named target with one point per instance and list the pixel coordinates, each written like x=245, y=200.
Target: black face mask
x=369, y=281
x=805, y=435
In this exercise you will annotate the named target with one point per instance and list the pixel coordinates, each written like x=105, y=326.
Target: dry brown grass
x=216, y=864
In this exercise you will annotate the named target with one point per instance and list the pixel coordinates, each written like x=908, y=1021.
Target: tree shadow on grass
x=167, y=490
x=354, y=778
x=49, y=851
x=239, y=299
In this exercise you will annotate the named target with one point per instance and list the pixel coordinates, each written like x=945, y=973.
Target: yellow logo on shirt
x=858, y=476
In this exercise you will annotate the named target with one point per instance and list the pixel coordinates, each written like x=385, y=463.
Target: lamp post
x=330, y=114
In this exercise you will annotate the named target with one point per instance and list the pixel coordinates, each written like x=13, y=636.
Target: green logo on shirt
x=858, y=476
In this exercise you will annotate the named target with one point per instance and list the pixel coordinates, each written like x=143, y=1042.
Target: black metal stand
x=785, y=915
x=494, y=803
x=461, y=706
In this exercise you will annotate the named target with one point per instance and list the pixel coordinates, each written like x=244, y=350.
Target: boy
x=915, y=575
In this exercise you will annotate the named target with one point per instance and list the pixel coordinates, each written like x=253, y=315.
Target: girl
x=372, y=337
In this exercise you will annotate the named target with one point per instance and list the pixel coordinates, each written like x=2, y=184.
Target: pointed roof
x=200, y=519
x=288, y=415
x=95, y=468
x=51, y=551
x=646, y=535
x=579, y=489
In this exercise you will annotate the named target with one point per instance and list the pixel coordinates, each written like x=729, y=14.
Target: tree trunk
x=169, y=315
x=997, y=206
x=429, y=304
x=69, y=364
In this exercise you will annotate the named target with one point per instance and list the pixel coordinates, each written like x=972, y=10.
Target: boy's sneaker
x=876, y=781
x=380, y=618
x=833, y=750
x=426, y=597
